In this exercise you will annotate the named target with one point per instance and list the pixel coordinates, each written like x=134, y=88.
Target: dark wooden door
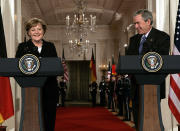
x=79, y=75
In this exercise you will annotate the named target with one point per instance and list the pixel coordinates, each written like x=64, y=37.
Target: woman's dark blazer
x=157, y=41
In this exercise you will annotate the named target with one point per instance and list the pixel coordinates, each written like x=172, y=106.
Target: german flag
x=6, y=101
x=93, y=68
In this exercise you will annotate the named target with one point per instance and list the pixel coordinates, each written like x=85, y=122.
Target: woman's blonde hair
x=33, y=22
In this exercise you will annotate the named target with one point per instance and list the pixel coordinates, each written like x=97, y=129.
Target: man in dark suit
x=110, y=93
x=63, y=88
x=102, y=89
x=93, y=90
x=119, y=94
x=148, y=39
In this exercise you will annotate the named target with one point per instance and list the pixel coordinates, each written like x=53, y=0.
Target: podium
x=149, y=103
x=31, y=112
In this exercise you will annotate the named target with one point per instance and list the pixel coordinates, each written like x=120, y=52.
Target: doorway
x=79, y=76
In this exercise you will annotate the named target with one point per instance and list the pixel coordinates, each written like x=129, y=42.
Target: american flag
x=174, y=90
x=66, y=76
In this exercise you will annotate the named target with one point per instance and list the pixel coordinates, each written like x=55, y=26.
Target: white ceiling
x=55, y=11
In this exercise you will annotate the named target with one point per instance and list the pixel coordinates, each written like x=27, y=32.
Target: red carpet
x=88, y=119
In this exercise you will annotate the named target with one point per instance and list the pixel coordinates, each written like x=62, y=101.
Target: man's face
x=140, y=25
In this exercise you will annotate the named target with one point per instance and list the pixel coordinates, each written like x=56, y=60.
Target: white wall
x=166, y=11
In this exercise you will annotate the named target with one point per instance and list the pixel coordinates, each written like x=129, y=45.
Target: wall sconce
x=103, y=67
x=125, y=45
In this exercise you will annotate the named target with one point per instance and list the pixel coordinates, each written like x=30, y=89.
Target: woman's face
x=36, y=33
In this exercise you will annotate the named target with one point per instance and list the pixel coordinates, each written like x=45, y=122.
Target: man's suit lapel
x=147, y=46
x=138, y=40
x=150, y=37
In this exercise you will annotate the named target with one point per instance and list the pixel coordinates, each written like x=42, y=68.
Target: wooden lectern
x=150, y=111
x=3, y=128
x=31, y=114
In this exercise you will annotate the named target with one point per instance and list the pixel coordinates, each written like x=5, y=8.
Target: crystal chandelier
x=79, y=45
x=79, y=24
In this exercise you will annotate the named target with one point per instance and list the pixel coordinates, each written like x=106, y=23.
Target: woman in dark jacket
x=36, y=29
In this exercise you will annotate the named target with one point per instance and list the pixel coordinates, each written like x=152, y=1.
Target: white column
x=18, y=39
x=162, y=15
x=166, y=11
x=172, y=19
x=173, y=5
x=151, y=6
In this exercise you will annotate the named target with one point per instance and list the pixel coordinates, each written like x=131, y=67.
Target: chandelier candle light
x=80, y=24
x=79, y=45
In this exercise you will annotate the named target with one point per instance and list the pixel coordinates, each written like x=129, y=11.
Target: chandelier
x=79, y=25
x=78, y=45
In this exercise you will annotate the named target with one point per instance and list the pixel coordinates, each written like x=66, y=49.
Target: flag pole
x=172, y=121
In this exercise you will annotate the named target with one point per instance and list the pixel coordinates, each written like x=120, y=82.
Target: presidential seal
x=29, y=64
x=152, y=62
